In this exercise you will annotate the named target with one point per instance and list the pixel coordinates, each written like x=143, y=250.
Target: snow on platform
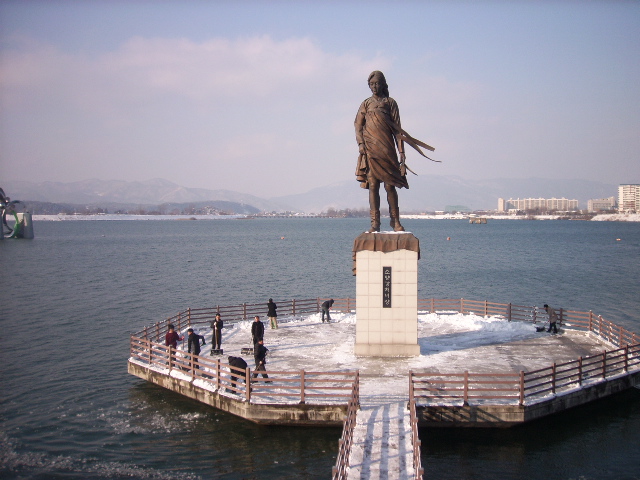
x=382, y=446
x=449, y=342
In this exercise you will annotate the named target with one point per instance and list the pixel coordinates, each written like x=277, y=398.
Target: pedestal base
x=386, y=295
x=385, y=350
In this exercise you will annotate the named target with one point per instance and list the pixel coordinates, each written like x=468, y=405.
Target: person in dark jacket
x=238, y=363
x=216, y=336
x=553, y=318
x=272, y=314
x=172, y=338
x=257, y=330
x=260, y=357
x=193, y=342
x=325, y=309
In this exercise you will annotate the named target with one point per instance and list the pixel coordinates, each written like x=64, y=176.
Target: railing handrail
x=572, y=319
x=301, y=384
x=340, y=470
x=415, y=438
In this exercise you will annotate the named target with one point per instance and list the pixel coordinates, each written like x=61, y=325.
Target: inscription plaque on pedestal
x=386, y=287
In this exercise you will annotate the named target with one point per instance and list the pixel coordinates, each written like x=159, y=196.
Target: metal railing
x=468, y=387
x=290, y=386
x=415, y=438
x=520, y=387
x=341, y=469
x=197, y=317
x=523, y=386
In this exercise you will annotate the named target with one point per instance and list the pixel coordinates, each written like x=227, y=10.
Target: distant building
x=601, y=204
x=543, y=204
x=629, y=198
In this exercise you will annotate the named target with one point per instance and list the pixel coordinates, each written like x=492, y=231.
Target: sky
x=260, y=97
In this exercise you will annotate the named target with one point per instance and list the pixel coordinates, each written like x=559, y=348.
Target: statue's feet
x=373, y=229
x=395, y=224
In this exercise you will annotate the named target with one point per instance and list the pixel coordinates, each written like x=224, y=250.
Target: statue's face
x=375, y=85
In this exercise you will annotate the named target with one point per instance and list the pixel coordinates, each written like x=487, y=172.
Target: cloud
x=282, y=109
x=143, y=69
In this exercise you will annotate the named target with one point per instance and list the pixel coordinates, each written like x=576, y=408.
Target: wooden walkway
x=382, y=448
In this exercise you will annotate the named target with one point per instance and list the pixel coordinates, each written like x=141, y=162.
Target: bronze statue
x=378, y=133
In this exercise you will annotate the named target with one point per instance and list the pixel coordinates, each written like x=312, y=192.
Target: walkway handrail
x=415, y=438
x=341, y=469
x=297, y=386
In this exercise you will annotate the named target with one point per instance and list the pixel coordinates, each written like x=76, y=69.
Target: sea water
x=70, y=297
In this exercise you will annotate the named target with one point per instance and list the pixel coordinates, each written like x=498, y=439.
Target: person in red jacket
x=172, y=338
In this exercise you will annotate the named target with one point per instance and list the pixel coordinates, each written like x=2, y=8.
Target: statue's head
x=378, y=75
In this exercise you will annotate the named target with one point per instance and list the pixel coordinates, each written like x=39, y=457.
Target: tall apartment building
x=546, y=204
x=629, y=198
x=601, y=204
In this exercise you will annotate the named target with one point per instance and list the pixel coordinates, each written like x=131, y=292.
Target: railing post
x=433, y=307
x=466, y=389
x=535, y=314
x=553, y=378
x=604, y=364
x=620, y=337
x=411, y=397
x=189, y=314
x=590, y=321
x=302, y=386
x=462, y=306
x=293, y=307
x=626, y=358
x=580, y=371
x=170, y=359
x=600, y=325
x=561, y=316
x=217, y=373
x=486, y=308
x=244, y=311
x=521, y=387
x=150, y=351
x=247, y=384
x=509, y=312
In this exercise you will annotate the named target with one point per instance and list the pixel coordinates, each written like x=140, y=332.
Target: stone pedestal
x=386, y=268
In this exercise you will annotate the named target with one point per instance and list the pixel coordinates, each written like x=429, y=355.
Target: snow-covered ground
x=449, y=342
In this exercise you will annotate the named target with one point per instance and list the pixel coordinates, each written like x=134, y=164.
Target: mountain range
x=426, y=193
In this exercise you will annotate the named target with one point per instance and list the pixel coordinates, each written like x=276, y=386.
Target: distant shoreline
x=613, y=217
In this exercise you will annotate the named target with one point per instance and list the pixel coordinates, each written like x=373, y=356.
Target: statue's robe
x=377, y=123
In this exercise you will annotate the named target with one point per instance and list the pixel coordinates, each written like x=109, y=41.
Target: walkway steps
x=381, y=448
